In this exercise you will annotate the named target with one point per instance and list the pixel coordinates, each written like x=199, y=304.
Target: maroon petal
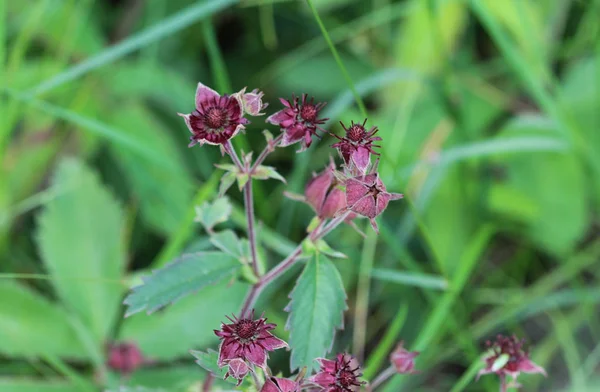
x=292, y=135
x=526, y=365
x=271, y=343
x=323, y=379
x=355, y=190
x=334, y=202
x=269, y=386
x=360, y=157
x=278, y=117
x=317, y=188
x=204, y=94
x=326, y=365
x=256, y=355
x=365, y=206
x=228, y=350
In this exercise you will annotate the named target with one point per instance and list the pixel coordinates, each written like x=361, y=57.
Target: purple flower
x=247, y=339
x=507, y=357
x=403, y=360
x=357, y=146
x=367, y=196
x=252, y=102
x=323, y=193
x=340, y=375
x=275, y=384
x=124, y=358
x=216, y=118
x=298, y=120
x=238, y=369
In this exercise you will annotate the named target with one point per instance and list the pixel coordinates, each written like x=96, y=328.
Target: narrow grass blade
x=159, y=31
x=424, y=281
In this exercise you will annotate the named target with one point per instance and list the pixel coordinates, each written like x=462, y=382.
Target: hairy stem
x=382, y=377
x=208, y=382
x=267, y=150
x=249, y=205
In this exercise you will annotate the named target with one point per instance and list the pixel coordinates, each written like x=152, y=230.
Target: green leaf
x=80, y=238
x=266, y=172
x=327, y=250
x=31, y=385
x=185, y=275
x=189, y=323
x=316, y=310
x=211, y=214
x=208, y=360
x=22, y=312
x=226, y=182
x=228, y=242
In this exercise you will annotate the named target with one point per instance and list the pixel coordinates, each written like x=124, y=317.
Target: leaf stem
x=382, y=377
x=338, y=60
x=286, y=264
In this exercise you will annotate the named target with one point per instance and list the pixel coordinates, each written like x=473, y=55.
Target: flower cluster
x=506, y=357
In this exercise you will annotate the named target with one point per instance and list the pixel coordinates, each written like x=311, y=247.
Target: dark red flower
x=124, y=357
x=298, y=120
x=367, y=196
x=247, y=339
x=506, y=356
x=357, y=146
x=340, y=375
x=323, y=193
x=238, y=369
x=403, y=360
x=216, y=118
x=275, y=384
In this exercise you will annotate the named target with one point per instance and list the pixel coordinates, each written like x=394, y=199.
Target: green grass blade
x=159, y=31
x=424, y=281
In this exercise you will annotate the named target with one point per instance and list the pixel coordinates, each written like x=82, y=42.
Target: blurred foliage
x=489, y=110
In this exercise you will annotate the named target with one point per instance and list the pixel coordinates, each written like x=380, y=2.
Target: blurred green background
x=489, y=110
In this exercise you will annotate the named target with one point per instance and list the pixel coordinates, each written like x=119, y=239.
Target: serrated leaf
x=170, y=333
x=227, y=167
x=211, y=214
x=226, y=182
x=266, y=172
x=316, y=310
x=22, y=311
x=80, y=236
x=178, y=279
x=228, y=242
x=208, y=361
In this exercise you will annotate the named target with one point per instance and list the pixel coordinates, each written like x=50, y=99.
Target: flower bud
x=403, y=360
x=238, y=369
x=124, y=357
x=324, y=194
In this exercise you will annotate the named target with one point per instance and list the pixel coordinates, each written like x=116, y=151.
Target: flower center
x=308, y=113
x=356, y=132
x=245, y=329
x=346, y=378
x=374, y=191
x=215, y=117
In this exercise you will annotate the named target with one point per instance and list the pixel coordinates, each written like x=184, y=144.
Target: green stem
x=362, y=295
x=338, y=60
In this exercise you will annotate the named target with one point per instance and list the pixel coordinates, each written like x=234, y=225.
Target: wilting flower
x=216, y=118
x=403, y=360
x=367, y=196
x=124, y=358
x=506, y=356
x=298, y=120
x=340, y=375
x=238, y=369
x=323, y=193
x=247, y=339
x=275, y=384
x=357, y=146
x=252, y=102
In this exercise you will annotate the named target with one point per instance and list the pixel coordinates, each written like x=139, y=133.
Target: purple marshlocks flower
x=339, y=375
x=506, y=356
x=367, y=196
x=247, y=339
x=238, y=369
x=357, y=146
x=275, y=384
x=298, y=120
x=252, y=102
x=323, y=193
x=403, y=360
x=216, y=118
x=124, y=357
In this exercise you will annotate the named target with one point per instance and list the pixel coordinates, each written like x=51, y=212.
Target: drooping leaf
x=189, y=323
x=226, y=182
x=316, y=310
x=211, y=214
x=22, y=313
x=266, y=172
x=184, y=276
x=80, y=239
